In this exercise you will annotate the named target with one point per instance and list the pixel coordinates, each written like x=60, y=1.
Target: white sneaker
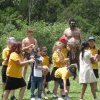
x=46, y=98
x=55, y=96
x=67, y=98
x=32, y=98
x=60, y=98
x=38, y=99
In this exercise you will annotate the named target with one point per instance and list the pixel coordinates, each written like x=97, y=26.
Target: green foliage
x=45, y=33
x=14, y=18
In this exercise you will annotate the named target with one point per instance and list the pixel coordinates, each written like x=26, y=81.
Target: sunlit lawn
x=74, y=91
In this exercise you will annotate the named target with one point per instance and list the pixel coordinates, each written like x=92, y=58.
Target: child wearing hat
x=94, y=50
x=5, y=54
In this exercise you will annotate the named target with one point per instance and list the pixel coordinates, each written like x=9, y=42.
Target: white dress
x=86, y=74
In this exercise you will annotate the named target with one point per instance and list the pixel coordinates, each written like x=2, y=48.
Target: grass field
x=74, y=91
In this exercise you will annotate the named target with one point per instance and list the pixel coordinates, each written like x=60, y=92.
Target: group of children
x=67, y=59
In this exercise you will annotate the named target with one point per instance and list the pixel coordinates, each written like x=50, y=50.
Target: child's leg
x=60, y=81
x=21, y=93
x=25, y=70
x=44, y=83
x=93, y=89
x=55, y=87
x=33, y=86
x=68, y=85
x=83, y=90
x=96, y=73
x=39, y=85
x=3, y=86
x=6, y=94
x=12, y=94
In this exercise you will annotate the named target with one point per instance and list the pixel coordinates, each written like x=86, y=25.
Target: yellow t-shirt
x=45, y=61
x=94, y=51
x=64, y=51
x=5, y=54
x=62, y=73
x=56, y=60
x=14, y=70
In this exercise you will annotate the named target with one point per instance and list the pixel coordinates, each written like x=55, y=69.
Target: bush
x=46, y=34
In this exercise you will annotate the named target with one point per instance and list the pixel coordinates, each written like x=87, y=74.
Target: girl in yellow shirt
x=94, y=50
x=58, y=61
x=46, y=65
x=5, y=54
x=14, y=71
x=64, y=73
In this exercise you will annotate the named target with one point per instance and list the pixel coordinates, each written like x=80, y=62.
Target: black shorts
x=96, y=73
x=53, y=74
x=3, y=72
x=60, y=81
x=48, y=77
x=14, y=83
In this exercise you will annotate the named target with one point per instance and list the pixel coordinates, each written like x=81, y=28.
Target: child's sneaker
x=66, y=98
x=55, y=96
x=96, y=99
x=49, y=92
x=46, y=98
x=38, y=99
x=32, y=98
x=13, y=98
x=60, y=98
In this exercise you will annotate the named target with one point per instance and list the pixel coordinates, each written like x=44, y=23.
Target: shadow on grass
x=75, y=92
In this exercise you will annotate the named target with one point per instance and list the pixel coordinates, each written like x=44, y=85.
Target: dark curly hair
x=73, y=70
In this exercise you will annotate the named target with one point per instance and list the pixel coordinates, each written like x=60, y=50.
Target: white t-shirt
x=38, y=69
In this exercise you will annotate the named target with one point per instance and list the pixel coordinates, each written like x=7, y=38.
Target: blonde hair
x=58, y=43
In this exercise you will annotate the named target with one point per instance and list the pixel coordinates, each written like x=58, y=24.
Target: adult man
x=28, y=45
x=73, y=31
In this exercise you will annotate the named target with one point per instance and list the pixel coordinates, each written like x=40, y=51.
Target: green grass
x=74, y=91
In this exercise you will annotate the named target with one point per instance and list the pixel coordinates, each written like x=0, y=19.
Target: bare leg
x=62, y=92
x=95, y=85
x=83, y=91
x=44, y=82
x=6, y=94
x=12, y=92
x=68, y=87
x=21, y=93
x=3, y=85
x=25, y=70
x=55, y=87
x=93, y=89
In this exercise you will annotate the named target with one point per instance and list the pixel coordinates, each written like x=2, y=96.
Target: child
x=58, y=61
x=94, y=50
x=37, y=75
x=86, y=74
x=63, y=74
x=46, y=65
x=14, y=71
x=5, y=54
